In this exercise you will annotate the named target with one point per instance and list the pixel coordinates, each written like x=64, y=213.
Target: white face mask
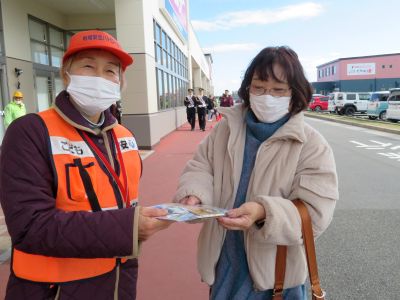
x=269, y=109
x=93, y=95
x=18, y=101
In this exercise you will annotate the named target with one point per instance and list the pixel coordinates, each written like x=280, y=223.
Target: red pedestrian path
x=167, y=263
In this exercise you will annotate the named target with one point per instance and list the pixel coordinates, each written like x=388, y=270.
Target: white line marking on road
x=395, y=147
x=391, y=155
x=382, y=144
x=369, y=147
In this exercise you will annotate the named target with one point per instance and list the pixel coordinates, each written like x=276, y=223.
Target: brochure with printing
x=188, y=213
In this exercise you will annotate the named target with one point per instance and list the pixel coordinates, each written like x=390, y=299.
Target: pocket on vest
x=75, y=183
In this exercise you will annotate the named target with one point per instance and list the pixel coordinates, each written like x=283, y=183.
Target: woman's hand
x=190, y=200
x=243, y=217
x=149, y=224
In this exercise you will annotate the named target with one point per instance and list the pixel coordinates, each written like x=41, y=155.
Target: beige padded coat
x=296, y=162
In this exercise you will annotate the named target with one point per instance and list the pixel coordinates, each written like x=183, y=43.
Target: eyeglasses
x=274, y=92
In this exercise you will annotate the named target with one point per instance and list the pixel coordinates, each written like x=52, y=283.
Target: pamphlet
x=187, y=213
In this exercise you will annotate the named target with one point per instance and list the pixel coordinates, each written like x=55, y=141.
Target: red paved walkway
x=167, y=264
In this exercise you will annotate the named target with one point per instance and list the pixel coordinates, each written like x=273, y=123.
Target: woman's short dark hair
x=263, y=64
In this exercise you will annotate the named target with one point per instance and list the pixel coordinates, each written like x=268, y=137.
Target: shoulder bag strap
x=280, y=268
x=308, y=240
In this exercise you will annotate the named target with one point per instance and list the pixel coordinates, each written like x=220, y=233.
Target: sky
x=234, y=31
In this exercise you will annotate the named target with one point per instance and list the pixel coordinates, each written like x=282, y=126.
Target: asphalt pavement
x=359, y=255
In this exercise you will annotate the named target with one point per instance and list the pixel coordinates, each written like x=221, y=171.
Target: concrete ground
x=167, y=264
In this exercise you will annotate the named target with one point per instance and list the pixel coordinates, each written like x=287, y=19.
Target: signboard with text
x=177, y=9
x=360, y=69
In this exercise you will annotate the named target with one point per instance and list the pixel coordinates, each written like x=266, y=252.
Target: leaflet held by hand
x=186, y=213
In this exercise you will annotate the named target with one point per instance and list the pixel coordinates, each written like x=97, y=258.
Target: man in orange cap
x=69, y=185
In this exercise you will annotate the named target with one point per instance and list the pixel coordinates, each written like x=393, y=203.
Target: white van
x=393, y=110
x=347, y=103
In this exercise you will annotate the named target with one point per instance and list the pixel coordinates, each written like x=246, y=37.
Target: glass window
x=166, y=91
x=163, y=40
x=159, y=58
x=158, y=30
x=160, y=83
x=383, y=97
x=37, y=31
x=56, y=57
x=56, y=38
x=168, y=44
x=351, y=96
x=39, y=53
x=42, y=93
x=68, y=38
x=171, y=63
x=172, y=90
x=164, y=58
x=58, y=85
x=364, y=96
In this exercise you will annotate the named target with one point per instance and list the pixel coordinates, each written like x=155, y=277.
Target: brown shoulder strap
x=308, y=239
x=280, y=268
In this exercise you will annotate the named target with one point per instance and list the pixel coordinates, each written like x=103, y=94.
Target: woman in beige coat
x=259, y=158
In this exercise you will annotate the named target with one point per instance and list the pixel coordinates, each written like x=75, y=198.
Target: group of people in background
x=205, y=106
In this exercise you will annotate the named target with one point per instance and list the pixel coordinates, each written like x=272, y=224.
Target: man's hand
x=190, y=200
x=243, y=217
x=148, y=224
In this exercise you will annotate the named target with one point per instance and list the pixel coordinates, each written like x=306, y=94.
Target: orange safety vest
x=68, y=151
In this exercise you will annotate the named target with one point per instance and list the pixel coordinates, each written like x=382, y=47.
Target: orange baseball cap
x=95, y=39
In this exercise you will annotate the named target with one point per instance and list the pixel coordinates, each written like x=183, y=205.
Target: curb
x=368, y=126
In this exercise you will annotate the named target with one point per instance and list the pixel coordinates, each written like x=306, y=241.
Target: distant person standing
x=211, y=107
x=226, y=100
x=190, y=103
x=116, y=111
x=201, y=103
x=14, y=109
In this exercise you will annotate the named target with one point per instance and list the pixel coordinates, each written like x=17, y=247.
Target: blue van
x=377, y=105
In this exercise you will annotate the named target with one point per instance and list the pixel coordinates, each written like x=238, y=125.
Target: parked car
x=331, y=103
x=319, y=102
x=393, y=110
x=377, y=105
x=347, y=103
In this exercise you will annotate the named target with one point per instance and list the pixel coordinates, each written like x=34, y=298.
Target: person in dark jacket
x=69, y=185
x=116, y=111
x=190, y=103
x=226, y=100
x=211, y=107
x=201, y=103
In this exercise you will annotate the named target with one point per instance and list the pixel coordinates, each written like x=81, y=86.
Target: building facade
x=168, y=58
x=359, y=74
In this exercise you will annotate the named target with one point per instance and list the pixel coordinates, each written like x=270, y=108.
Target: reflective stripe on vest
x=67, y=145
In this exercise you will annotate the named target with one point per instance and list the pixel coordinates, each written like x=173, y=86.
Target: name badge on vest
x=127, y=144
x=61, y=145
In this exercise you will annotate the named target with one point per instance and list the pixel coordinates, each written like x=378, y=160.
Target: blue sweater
x=232, y=278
